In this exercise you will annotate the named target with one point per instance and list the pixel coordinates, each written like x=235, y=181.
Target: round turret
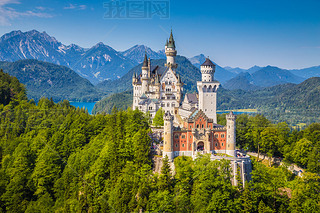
x=168, y=136
x=207, y=70
x=231, y=134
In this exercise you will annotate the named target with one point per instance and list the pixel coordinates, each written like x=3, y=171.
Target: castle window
x=197, y=125
x=168, y=104
x=183, y=136
x=176, y=145
x=216, y=144
x=222, y=135
x=190, y=126
x=216, y=135
x=172, y=104
x=176, y=136
x=202, y=126
x=150, y=108
x=222, y=144
x=183, y=145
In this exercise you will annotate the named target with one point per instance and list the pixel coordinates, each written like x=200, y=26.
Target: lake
x=236, y=112
x=87, y=105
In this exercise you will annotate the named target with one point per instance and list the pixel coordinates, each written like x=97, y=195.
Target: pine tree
x=165, y=180
x=158, y=118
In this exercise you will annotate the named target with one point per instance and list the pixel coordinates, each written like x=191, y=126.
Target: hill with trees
x=43, y=79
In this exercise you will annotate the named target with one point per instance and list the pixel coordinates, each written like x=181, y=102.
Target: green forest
x=56, y=158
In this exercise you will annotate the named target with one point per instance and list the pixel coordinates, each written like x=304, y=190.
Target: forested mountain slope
x=43, y=79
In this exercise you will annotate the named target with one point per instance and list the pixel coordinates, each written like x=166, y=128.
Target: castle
x=190, y=126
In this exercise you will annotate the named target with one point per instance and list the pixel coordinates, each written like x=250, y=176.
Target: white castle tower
x=145, y=75
x=207, y=89
x=231, y=134
x=168, y=136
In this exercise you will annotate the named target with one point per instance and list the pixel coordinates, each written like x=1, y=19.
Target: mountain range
x=136, y=53
x=264, y=77
x=96, y=64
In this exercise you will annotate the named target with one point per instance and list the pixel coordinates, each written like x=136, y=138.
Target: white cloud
x=75, y=7
x=8, y=14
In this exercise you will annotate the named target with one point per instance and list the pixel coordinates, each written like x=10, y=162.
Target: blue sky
x=237, y=33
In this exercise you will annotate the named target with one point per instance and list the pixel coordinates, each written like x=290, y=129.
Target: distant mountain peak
x=136, y=53
x=100, y=44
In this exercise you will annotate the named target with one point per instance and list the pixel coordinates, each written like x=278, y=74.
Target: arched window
x=222, y=135
x=183, y=136
x=176, y=136
x=205, y=88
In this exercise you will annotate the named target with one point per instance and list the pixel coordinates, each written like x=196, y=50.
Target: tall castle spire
x=171, y=41
x=145, y=75
x=145, y=61
x=170, y=50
